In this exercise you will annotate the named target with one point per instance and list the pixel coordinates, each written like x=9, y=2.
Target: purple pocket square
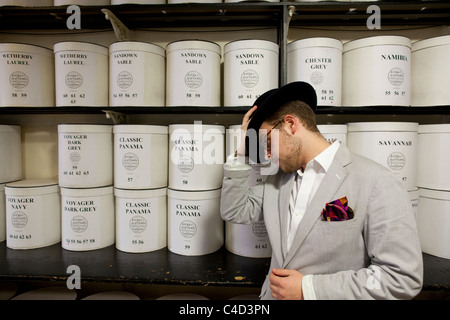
x=337, y=210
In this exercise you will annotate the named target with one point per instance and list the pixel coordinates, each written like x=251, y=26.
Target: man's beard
x=290, y=163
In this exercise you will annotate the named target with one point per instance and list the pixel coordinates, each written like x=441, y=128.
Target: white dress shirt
x=305, y=186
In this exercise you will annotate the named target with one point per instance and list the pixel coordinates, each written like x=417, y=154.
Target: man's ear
x=291, y=123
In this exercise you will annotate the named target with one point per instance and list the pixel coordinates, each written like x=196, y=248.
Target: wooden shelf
x=436, y=273
x=393, y=13
x=222, y=110
x=124, y=110
x=109, y=265
x=145, y=16
x=262, y=13
x=392, y=110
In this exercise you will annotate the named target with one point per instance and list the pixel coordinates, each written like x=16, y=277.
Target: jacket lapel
x=330, y=184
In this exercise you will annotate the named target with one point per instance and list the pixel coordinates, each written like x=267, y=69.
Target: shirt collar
x=324, y=158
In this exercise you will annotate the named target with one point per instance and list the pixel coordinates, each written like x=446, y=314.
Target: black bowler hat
x=260, y=101
x=272, y=100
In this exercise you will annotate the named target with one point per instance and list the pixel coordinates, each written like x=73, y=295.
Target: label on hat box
x=127, y=77
x=80, y=219
x=196, y=160
x=186, y=153
x=195, y=227
x=133, y=160
x=78, y=76
x=391, y=85
x=395, y=151
x=253, y=65
x=320, y=67
x=25, y=226
x=193, y=78
x=85, y=159
x=76, y=163
x=137, y=224
x=197, y=65
x=248, y=74
x=21, y=75
x=87, y=222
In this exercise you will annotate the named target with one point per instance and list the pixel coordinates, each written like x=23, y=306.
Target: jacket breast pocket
x=337, y=240
x=332, y=226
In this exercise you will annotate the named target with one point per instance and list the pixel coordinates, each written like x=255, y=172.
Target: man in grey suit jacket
x=341, y=226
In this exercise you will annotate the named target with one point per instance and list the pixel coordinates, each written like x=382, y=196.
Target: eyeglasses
x=265, y=142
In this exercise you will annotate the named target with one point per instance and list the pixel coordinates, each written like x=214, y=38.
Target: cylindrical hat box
x=87, y=218
x=137, y=74
x=376, y=71
x=391, y=144
x=2, y=213
x=248, y=240
x=250, y=69
x=85, y=155
x=141, y=219
x=112, y=295
x=334, y=132
x=48, y=293
x=27, y=3
x=27, y=78
x=196, y=156
x=82, y=2
x=433, y=222
x=430, y=76
x=193, y=73
x=317, y=61
x=81, y=74
x=195, y=226
x=433, y=156
x=33, y=214
x=141, y=155
x=10, y=153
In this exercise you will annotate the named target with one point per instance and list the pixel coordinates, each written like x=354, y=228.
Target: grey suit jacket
x=375, y=255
